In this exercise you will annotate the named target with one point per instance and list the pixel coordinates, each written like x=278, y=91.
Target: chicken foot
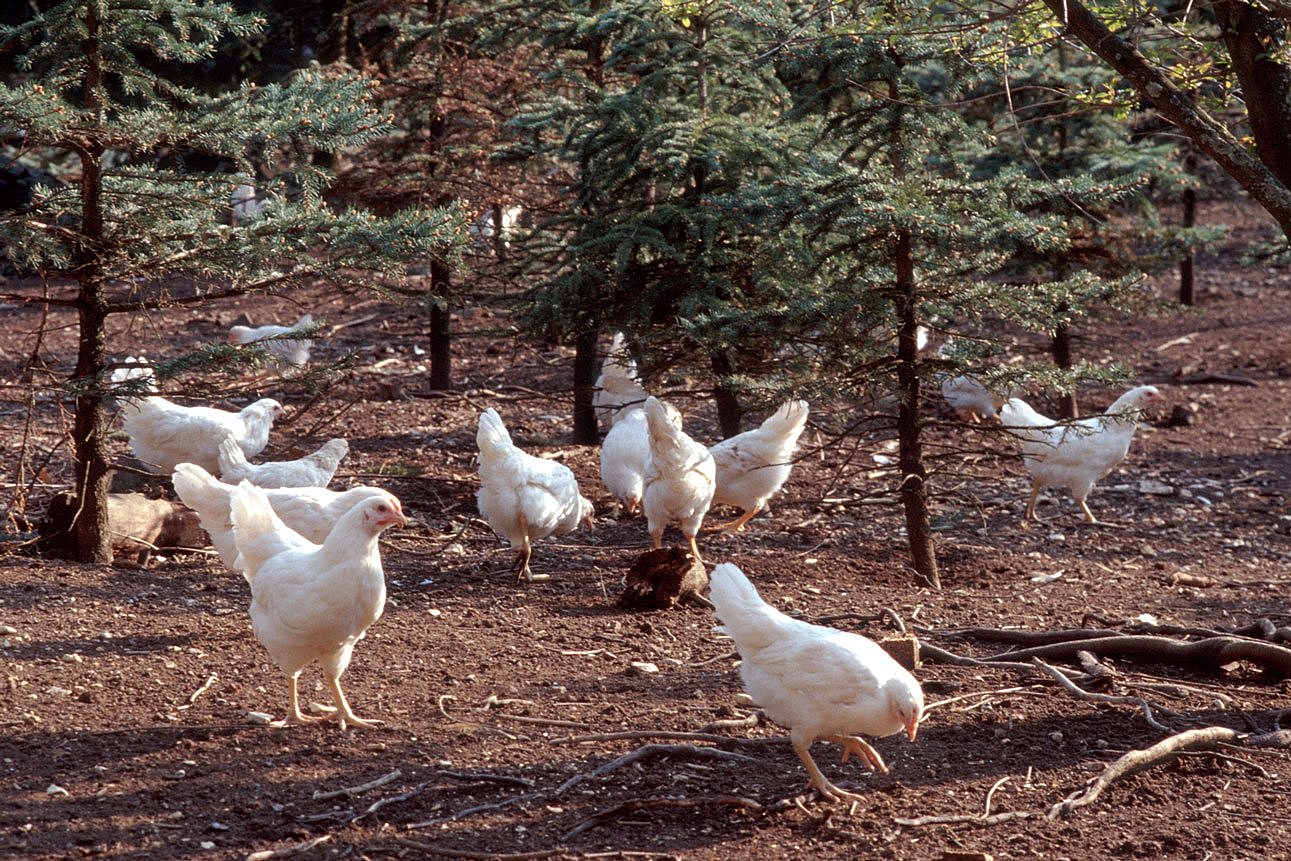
x=694, y=550
x=861, y=749
x=295, y=717
x=343, y=711
x=818, y=781
x=523, y=572
x=736, y=525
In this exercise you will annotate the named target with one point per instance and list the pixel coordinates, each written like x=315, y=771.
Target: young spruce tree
x=662, y=121
x=133, y=226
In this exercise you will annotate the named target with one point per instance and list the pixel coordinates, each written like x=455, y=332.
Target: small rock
x=1152, y=487
x=742, y=700
x=207, y=844
x=643, y=667
x=219, y=826
x=73, y=658
x=55, y=789
x=434, y=613
x=56, y=691
x=6, y=630
x=259, y=718
x=1055, y=737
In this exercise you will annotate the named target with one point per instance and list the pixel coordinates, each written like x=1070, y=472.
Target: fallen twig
x=671, y=734
x=206, y=686
x=479, y=808
x=1166, y=750
x=484, y=856
x=986, y=810
x=649, y=803
x=746, y=722
x=966, y=819
x=288, y=851
x=351, y=791
x=645, y=752
x=487, y=777
x=1081, y=694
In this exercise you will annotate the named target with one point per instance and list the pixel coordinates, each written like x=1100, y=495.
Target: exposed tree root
x=1167, y=750
x=1213, y=651
x=648, y=803
x=1080, y=694
x=645, y=752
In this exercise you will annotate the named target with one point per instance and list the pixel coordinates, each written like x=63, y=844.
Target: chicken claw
x=853, y=746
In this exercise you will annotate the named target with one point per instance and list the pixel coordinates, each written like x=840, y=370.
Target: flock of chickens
x=312, y=559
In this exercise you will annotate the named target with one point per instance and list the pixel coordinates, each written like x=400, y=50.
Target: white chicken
x=623, y=458
x=970, y=400
x=754, y=465
x=524, y=498
x=285, y=350
x=311, y=511
x=819, y=682
x=680, y=477
x=1075, y=454
x=313, y=602
x=312, y=470
x=165, y=433
x=617, y=388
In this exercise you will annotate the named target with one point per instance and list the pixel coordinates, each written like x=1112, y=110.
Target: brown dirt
x=110, y=750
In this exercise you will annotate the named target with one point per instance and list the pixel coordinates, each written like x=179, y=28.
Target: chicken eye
x=381, y=507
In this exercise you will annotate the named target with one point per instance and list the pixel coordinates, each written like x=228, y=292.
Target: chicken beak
x=912, y=727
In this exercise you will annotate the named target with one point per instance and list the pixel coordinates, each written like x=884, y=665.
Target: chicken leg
x=694, y=549
x=736, y=525
x=523, y=572
x=343, y=711
x=295, y=717
x=818, y=781
x=1089, y=515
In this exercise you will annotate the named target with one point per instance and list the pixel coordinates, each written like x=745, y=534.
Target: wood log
x=138, y=525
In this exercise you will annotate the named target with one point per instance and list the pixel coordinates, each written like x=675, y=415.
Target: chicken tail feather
x=749, y=620
x=199, y=490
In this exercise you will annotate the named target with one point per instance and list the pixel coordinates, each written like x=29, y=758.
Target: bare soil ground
x=127, y=690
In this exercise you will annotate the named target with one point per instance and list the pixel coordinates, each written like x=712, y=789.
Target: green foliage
x=170, y=157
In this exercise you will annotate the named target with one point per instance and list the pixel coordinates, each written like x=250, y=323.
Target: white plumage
x=754, y=465
x=680, y=476
x=312, y=470
x=970, y=400
x=165, y=433
x=1075, y=454
x=618, y=391
x=311, y=511
x=285, y=350
x=819, y=682
x=313, y=602
x=623, y=458
x=524, y=498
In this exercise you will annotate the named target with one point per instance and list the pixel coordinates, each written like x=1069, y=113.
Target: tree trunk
x=1061, y=348
x=586, y=367
x=1254, y=40
x=914, y=490
x=441, y=336
x=1187, y=287
x=905, y=298
x=91, y=537
x=1206, y=133
x=729, y=411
